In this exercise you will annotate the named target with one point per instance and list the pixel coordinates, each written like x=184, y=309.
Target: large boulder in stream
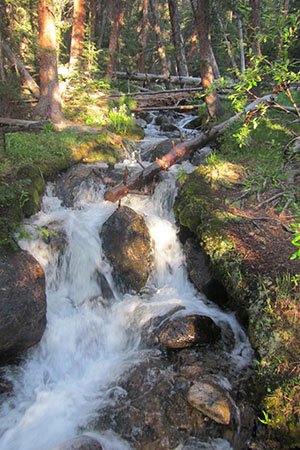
x=183, y=332
x=127, y=245
x=22, y=302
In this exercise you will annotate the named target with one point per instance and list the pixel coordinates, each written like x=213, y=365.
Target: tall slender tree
x=115, y=31
x=49, y=104
x=213, y=104
x=102, y=22
x=77, y=38
x=253, y=43
x=180, y=57
x=143, y=36
x=159, y=41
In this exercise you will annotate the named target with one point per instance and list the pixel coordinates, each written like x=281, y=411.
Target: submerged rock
x=210, y=401
x=127, y=245
x=80, y=443
x=187, y=331
x=22, y=302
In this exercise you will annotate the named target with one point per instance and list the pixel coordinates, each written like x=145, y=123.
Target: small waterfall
x=89, y=342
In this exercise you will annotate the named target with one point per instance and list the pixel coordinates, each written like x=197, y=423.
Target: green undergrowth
x=31, y=159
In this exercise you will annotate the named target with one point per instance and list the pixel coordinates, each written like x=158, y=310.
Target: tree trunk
x=115, y=31
x=253, y=44
x=143, y=36
x=227, y=41
x=177, y=154
x=93, y=18
x=213, y=104
x=181, y=63
x=252, y=31
x=102, y=24
x=160, y=47
x=77, y=38
x=2, y=73
x=242, y=49
x=49, y=104
x=29, y=82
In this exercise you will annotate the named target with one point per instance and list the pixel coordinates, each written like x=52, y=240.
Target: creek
x=90, y=341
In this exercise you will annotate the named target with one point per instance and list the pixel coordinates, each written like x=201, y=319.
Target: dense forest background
x=248, y=41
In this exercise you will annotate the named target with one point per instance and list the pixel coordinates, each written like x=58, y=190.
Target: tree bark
x=93, y=18
x=242, y=49
x=227, y=41
x=160, y=47
x=29, y=82
x=2, y=73
x=180, y=57
x=177, y=154
x=213, y=104
x=115, y=31
x=252, y=30
x=102, y=23
x=77, y=38
x=49, y=104
x=143, y=36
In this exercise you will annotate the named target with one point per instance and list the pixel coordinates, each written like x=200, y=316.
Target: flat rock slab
x=210, y=401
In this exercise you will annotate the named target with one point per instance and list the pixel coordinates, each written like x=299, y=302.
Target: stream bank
x=248, y=251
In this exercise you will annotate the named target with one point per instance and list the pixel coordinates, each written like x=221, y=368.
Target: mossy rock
x=105, y=147
x=34, y=187
x=201, y=206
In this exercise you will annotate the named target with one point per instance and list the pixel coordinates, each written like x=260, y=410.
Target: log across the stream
x=178, y=153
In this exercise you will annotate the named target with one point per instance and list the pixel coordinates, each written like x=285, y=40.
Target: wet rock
x=158, y=414
x=168, y=125
x=211, y=401
x=194, y=124
x=56, y=237
x=127, y=245
x=90, y=176
x=141, y=123
x=70, y=182
x=200, y=156
x=187, y=331
x=200, y=275
x=145, y=116
x=80, y=443
x=5, y=386
x=162, y=148
x=197, y=265
x=22, y=302
x=106, y=291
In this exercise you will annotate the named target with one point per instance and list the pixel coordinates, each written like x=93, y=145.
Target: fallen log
x=177, y=154
x=155, y=93
x=8, y=125
x=166, y=108
x=154, y=77
x=28, y=80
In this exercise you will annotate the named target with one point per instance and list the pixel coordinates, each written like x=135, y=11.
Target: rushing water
x=88, y=341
